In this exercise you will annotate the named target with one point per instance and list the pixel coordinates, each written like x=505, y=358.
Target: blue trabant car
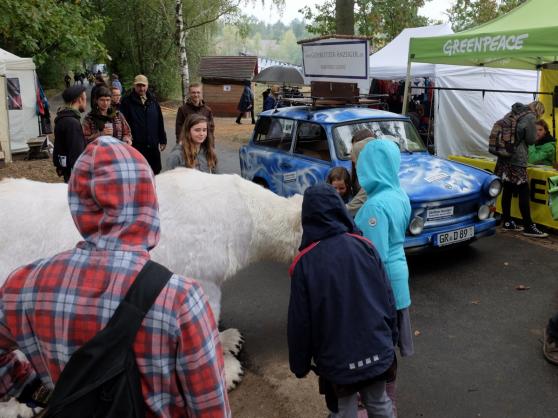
x=295, y=147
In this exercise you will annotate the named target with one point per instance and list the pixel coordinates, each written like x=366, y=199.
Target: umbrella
x=280, y=74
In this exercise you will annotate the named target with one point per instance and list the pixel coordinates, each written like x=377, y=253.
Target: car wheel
x=261, y=182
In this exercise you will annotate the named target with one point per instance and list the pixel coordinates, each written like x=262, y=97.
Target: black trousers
x=552, y=327
x=151, y=154
x=522, y=190
x=251, y=114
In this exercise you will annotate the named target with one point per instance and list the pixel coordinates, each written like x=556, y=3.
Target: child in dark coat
x=342, y=313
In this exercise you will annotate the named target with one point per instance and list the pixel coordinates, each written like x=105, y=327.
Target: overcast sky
x=434, y=9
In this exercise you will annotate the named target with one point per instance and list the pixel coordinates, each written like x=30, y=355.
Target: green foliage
x=58, y=34
x=465, y=14
x=140, y=40
x=381, y=20
x=251, y=36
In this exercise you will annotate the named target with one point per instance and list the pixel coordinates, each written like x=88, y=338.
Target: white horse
x=211, y=227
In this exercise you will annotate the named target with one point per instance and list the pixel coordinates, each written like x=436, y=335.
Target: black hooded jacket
x=69, y=141
x=342, y=310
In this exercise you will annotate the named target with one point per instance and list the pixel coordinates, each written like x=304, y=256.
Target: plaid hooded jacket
x=50, y=308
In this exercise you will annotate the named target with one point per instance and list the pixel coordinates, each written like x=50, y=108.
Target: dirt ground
x=227, y=133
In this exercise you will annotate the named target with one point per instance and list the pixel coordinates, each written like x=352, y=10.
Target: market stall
x=524, y=39
x=462, y=119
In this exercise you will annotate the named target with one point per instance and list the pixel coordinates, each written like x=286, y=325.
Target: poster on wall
x=14, y=94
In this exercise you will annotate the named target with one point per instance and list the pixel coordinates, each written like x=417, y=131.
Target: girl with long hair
x=196, y=147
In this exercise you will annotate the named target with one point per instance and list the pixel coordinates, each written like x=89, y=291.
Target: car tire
x=261, y=182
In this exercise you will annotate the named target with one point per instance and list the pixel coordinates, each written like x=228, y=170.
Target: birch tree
x=202, y=15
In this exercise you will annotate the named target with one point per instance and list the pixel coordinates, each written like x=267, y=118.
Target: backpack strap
x=89, y=363
x=150, y=281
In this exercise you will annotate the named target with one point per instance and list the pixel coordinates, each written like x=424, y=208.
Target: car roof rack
x=320, y=102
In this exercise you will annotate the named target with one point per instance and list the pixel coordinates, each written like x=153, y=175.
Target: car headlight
x=494, y=188
x=416, y=226
x=484, y=212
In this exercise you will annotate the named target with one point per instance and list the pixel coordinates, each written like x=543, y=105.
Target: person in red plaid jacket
x=50, y=308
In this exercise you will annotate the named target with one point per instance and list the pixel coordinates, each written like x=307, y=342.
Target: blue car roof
x=331, y=115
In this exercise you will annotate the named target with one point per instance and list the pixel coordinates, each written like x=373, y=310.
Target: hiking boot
x=550, y=348
x=511, y=226
x=534, y=232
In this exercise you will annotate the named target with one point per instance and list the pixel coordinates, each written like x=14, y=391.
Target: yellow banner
x=538, y=190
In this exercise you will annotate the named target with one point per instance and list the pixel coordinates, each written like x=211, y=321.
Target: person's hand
x=162, y=147
x=128, y=141
x=107, y=131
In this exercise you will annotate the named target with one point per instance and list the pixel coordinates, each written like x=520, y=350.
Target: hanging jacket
x=51, y=307
x=145, y=120
x=341, y=310
x=543, y=152
x=69, y=141
x=385, y=216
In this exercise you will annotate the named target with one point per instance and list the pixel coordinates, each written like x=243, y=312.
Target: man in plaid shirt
x=52, y=307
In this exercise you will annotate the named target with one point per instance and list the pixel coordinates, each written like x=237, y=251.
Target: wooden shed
x=222, y=78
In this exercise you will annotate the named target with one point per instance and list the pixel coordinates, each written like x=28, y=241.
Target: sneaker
x=511, y=226
x=550, y=348
x=533, y=231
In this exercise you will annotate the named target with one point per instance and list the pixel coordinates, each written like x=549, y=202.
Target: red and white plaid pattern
x=50, y=308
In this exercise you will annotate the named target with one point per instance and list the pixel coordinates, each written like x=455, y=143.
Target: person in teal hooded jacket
x=384, y=219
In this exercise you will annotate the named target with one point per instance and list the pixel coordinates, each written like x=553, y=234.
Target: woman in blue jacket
x=384, y=219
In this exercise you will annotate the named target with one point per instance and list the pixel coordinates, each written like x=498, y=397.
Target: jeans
x=374, y=398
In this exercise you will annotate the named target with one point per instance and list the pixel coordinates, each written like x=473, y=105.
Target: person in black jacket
x=342, y=312
x=246, y=102
x=143, y=114
x=69, y=141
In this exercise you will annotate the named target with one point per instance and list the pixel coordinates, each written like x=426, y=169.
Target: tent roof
x=390, y=62
x=524, y=38
x=13, y=62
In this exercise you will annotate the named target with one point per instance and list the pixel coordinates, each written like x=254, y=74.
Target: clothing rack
x=484, y=91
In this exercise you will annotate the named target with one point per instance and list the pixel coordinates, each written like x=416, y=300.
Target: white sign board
x=336, y=59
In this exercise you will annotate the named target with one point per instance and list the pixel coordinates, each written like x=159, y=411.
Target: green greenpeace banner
x=521, y=49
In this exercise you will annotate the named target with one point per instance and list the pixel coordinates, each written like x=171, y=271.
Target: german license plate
x=451, y=237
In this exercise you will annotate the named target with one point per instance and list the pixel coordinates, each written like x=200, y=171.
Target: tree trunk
x=181, y=40
x=345, y=17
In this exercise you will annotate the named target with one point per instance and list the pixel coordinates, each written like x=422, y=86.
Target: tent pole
x=407, y=83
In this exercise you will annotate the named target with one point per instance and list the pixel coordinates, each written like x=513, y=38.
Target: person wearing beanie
x=54, y=306
x=145, y=118
x=69, y=141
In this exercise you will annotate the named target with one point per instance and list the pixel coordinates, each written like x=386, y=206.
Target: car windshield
x=399, y=131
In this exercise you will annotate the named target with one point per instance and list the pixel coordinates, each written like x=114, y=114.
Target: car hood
x=428, y=178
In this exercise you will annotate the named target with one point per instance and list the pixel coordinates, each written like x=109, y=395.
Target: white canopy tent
x=20, y=77
x=462, y=119
x=390, y=62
